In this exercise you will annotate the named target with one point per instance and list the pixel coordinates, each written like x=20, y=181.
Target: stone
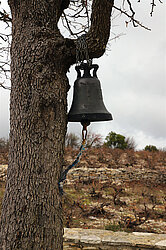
x=142, y=234
x=93, y=239
x=161, y=243
x=103, y=239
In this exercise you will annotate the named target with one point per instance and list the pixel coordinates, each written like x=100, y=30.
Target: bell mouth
x=91, y=117
x=85, y=123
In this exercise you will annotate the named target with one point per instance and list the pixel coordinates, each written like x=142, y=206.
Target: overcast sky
x=133, y=80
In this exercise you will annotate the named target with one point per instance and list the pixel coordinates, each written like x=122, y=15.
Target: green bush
x=150, y=148
x=114, y=140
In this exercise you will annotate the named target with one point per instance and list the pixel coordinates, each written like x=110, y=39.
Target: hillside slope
x=113, y=189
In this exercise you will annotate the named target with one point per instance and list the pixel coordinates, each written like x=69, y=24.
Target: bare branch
x=76, y=19
x=67, y=23
x=5, y=42
x=4, y=16
x=4, y=87
x=133, y=13
x=68, y=26
x=65, y=4
x=134, y=21
x=153, y=6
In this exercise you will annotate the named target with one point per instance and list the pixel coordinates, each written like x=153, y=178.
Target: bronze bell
x=87, y=105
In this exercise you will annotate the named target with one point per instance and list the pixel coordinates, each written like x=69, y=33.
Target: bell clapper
x=84, y=131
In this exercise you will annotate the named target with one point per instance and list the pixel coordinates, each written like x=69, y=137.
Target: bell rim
x=91, y=117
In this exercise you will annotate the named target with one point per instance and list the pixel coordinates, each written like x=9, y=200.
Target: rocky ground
x=113, y=189
x=116, y=190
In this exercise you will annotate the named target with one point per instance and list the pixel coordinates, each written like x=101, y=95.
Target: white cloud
x=133, y=81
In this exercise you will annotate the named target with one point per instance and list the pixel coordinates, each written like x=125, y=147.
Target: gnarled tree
x=40, y=58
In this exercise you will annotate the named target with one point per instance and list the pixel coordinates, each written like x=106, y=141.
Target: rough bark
x=32, y=210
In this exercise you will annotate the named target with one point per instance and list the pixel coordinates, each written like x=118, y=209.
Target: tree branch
x=65, y=4
x=99, y=32
x=4, y=87
x=134, y=21
x=4, y=16
x=153, y=5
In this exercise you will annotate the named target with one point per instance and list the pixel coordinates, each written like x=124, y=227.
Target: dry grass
x=126, y=205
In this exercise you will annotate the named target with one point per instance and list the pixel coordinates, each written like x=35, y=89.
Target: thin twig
x=4, y=16
x=4, y=87
x=134, y=21
x=153, y=6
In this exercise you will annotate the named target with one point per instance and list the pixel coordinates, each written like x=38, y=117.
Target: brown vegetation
x=114, y=189
x=117, y=190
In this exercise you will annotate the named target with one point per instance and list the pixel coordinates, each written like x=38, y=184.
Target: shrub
x=150, y=148
x=72, y=140
x=4, y=145
x=114, y=140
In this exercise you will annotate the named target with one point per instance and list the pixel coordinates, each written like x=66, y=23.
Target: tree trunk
x=32, y=210
x=40, y=57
